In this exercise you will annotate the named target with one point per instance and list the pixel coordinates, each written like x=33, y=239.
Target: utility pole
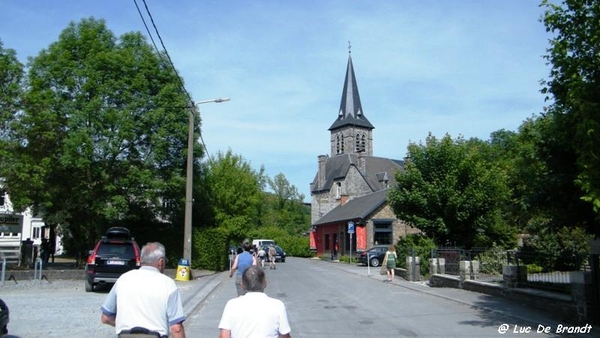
x=187, y=225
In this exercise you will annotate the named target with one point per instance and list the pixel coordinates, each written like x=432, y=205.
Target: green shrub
x=209, y=250
x=294, y=246
x=422, y=247
x=532, y=268
x=346, y=259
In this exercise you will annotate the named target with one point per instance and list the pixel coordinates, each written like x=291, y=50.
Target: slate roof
x=377, y=170
x=351, y=112
x=357, y=208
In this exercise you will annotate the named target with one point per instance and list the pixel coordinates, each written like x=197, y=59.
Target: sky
x=464, y=67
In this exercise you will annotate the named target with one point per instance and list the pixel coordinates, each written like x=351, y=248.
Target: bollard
x=3, y=271
x=38, y=262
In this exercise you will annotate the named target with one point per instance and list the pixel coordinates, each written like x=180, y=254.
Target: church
x=349, y=208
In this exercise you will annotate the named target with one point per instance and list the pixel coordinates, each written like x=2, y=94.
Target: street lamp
x=187, y=225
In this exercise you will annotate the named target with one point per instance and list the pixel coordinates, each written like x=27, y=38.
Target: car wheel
x=3, y=331
x=375, y=262
x=89, y=287
x=283, y=260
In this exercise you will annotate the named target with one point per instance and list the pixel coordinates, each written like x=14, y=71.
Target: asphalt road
x=323, y=299
x=329, y=300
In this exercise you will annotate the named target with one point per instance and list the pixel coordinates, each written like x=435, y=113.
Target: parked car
x=376, y=255
x=4, y=319
x=114, y=254
x=280, y=253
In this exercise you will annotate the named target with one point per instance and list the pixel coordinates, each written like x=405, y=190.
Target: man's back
x=240, y=316
x=142, y=297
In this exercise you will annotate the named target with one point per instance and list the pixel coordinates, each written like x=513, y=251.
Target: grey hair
x=151, y=253
x=253, y=279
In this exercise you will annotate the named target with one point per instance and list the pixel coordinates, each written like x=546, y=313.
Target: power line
x=180, y=81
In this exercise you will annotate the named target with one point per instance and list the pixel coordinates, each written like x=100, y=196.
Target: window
x=337, y=145
x=360, y=142
x=36, y=233
x=338, y=190
x=383, y=232
x=2, y=197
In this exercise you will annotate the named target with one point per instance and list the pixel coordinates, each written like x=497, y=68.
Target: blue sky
x=459, y=67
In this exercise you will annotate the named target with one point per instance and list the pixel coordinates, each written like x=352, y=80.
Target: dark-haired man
x=270, y=322
x=241, y=263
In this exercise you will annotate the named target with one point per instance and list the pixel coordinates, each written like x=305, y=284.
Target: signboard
x=350, y=227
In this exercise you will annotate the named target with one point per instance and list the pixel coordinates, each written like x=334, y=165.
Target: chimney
x=321, y=177
x=343, y=199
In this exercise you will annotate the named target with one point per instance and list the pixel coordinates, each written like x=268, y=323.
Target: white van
x=262, y=242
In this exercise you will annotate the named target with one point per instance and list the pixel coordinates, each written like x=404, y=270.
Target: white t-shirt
x=255, y=315
x=144, y=298
x=261, y=253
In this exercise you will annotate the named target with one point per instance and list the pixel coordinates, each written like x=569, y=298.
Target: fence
x=11, y=253
x=534, y=270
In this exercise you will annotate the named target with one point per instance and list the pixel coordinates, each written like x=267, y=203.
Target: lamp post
x=187, y=225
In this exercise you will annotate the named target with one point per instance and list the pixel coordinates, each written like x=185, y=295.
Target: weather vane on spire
x=349, y=48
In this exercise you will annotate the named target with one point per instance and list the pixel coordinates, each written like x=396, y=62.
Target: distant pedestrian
x=242, y=262
x=261, y=256
x=144, y=302
x=390, y=262
x=272, y=257
x=255, y=314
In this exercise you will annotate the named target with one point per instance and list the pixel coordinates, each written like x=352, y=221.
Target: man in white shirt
x=145, y=302
x=254, y=314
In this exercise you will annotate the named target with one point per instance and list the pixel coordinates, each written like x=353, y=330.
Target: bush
x=492, y=260
x=294, y=246
x=209, y=250
x=532, y=268
x=346, y=259
x=422, y=247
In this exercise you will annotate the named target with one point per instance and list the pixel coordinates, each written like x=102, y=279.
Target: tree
x=284, y=208
x=102, y=137
x=11, y=87
x=574, y=86
x=234, y=193
x=452, y=193
x=284, y=191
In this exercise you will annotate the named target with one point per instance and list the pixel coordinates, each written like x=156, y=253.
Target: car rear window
x=123, y=250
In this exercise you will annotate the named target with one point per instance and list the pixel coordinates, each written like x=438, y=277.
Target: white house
x=18, y=227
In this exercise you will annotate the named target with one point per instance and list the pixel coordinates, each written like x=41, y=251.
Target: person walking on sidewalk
x=272, y=256
x=144, y=302
x=390, y=262
x=242, y=262
x=239, y=320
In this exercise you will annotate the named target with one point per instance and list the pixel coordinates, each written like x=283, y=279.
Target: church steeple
x=351, y=132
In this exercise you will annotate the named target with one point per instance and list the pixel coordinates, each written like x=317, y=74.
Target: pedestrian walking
x=261, y=256
x=242, y=262
x=272, y=257
x=145, y=303
x=240, y=320
x=390, y=262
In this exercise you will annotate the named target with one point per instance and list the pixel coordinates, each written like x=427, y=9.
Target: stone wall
x=579, y=307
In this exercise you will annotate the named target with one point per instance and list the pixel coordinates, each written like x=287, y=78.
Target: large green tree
x=11, y=87
x=451, y=191
x=102, y=136
x=233, y=190
x=574, y=86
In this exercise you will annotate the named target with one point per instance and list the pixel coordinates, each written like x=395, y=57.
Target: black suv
x=116, y=253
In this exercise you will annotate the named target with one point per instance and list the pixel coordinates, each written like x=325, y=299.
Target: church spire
x=351, y=112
